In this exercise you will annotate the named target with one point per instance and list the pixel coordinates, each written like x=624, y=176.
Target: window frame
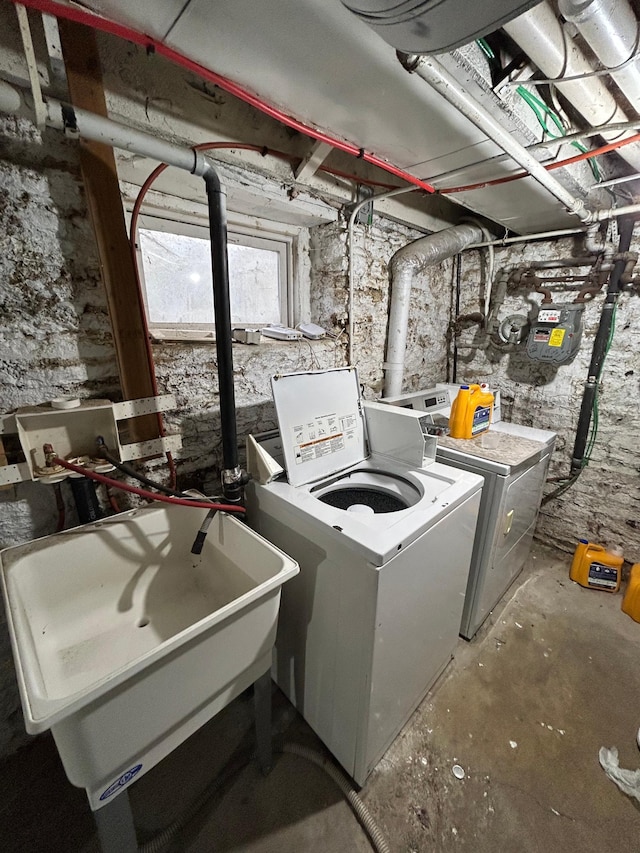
x=259, y=233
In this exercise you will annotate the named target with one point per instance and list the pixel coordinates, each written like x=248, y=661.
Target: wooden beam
x=315, y=158
x=100, y=177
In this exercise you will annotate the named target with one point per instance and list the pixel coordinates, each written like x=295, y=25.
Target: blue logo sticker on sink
x=126, y=777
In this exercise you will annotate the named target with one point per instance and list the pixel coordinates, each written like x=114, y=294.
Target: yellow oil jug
x=596, y=568
x=631, y=600
x=471, y=412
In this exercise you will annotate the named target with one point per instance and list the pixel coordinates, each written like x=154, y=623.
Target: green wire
x=485, y=48
x=596, y=413
x=538, y=105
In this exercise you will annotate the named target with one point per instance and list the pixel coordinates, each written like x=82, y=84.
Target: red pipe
x=586, y=155
x=89, y=19
x=116, y=484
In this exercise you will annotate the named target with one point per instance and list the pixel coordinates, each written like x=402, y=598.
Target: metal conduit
x=430, y=70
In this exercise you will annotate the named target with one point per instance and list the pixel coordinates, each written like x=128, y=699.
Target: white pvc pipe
x=434, y=73
x=541, y=36
x=541, y=235
x=610, y=29
x=598, y=216
x=87, y=125
x=611, y=213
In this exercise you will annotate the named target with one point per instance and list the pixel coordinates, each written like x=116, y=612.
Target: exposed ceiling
x=317, y=62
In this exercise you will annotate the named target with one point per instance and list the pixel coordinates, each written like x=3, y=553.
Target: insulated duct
x=407, y=262
x=610, y=29
x=541, y=36
x=434, y=26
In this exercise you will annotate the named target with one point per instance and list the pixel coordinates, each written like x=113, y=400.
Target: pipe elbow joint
x=409, y=61
x=203, y=167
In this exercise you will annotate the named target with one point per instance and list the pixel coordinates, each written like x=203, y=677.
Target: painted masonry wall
x=604, y=504
x=55, y=336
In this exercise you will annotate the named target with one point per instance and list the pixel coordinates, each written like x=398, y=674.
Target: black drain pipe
x=232, y=478
x=86, y=125
x=600, y=346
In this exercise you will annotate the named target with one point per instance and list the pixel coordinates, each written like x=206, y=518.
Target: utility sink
x=125, y=643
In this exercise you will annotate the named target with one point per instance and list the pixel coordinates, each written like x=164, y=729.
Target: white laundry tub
x=125, y=643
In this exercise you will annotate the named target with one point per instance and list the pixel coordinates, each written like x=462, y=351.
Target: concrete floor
x=523, y=709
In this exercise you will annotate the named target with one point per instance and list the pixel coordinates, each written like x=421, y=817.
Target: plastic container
x=631, y=600
x=471, y=412
x=596, y=568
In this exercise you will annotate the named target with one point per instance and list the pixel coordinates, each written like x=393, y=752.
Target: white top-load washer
x=513, y=460
x=384, y=550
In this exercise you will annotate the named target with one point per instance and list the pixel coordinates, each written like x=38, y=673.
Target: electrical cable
x=103, y=450
x=602, y=72
x=115, y=484
x=536, y=104
x=153, y=45
x=57, y=490
x=589, y=411
x=485, y=48
x=113, y=502
x=595, y=417
x=586, y=155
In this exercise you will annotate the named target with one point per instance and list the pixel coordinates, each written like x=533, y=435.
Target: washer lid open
x=321, y=422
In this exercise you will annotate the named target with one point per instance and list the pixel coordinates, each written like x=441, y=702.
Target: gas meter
x=555, y=333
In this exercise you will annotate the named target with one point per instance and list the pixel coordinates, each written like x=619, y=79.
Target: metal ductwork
x=404, y=265
x=541, y=36
x=434, y=26
x=610, y=29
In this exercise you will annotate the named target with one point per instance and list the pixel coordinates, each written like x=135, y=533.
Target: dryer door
x=515, y=526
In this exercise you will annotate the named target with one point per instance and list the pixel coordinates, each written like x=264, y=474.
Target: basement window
x=175, y=268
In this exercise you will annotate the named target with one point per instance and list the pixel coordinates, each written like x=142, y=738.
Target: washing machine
x=513, y=460
x=384, y=549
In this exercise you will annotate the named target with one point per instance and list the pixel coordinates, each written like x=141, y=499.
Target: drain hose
x=378, y=841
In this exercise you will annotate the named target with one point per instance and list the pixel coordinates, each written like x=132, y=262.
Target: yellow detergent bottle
x=471, y=412
x=631, y=600
x=596, y=568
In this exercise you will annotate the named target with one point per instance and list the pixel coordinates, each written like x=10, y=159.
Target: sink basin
x=125, y=643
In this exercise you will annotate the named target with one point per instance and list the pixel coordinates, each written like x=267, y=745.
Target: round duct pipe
x=435, y=26
x=610, y=29
x=540, y=35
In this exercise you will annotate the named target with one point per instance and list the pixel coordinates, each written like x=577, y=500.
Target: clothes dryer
x=513, y=460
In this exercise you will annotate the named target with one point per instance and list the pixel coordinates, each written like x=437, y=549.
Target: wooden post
x=99, y=173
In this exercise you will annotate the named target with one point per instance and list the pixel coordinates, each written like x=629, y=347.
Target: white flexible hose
x=377, y=839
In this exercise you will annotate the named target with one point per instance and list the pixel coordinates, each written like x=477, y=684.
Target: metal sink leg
x=116, y=831
x=262, y=712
